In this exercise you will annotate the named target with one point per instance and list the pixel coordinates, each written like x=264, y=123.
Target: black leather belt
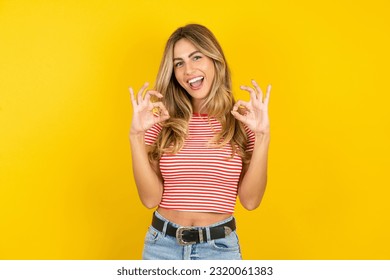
x=192, y=235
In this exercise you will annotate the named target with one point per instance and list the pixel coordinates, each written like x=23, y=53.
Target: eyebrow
x=191, y=54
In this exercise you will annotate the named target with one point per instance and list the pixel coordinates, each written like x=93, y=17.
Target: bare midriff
x=192, y=219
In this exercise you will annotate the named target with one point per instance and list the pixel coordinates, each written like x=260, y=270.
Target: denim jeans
x=159, y=246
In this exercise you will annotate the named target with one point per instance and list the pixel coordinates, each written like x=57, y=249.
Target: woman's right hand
x=143, y=115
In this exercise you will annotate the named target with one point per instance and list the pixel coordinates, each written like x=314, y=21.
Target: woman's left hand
x=254, y=114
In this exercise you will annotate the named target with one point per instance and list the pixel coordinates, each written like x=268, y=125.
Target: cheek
x=178, y=74
x=211, y=73
x=210, y=70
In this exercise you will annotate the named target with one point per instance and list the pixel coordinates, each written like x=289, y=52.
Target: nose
x=188, y=68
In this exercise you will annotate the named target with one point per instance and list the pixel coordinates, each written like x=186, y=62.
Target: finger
x=141, y=91
x=259, y=91
x=161, y=107
x=147, y=97
x=139, y=97
x=243, y=110
x=251, y=92
x=133, y=101
x=267, y=95
x=163, y=118
x=158, y=109
x=145, y=86
x=241, y=103
x=157, y=105
x=238, y=116
x=162, y=110
x=155, y=93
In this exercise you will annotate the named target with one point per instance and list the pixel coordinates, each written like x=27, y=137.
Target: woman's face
x=193, y=70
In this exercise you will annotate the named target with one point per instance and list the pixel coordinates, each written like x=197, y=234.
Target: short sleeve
x=152, y=133
x=251, y=139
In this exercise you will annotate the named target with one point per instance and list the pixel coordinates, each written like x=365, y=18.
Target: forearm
x=254, y=181
x=149, y=184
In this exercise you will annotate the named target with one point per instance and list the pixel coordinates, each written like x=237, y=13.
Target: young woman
x=194, y=149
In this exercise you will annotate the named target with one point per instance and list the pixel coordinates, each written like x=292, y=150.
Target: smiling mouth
x=196, y=83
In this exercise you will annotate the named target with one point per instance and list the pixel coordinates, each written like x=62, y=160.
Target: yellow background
x=66, y=186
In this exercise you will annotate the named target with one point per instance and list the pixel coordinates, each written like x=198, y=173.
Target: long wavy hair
x=218, y=103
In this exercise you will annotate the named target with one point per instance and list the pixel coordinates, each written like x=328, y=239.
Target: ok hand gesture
x=255, y=112
x=143, y=110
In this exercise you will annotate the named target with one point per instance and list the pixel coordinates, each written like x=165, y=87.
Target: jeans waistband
x=158, y=215
x=206, y=233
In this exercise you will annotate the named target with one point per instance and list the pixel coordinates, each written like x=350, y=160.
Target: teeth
x=195, y=80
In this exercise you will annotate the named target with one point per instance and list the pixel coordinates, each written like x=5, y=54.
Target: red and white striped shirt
x=200, y=178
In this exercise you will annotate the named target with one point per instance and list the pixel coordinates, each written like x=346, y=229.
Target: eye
x=178, y=64
x=197, y=57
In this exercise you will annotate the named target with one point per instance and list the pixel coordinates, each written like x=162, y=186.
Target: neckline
x=199, y=115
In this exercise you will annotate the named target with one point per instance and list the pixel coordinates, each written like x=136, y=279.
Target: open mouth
x=196, y=83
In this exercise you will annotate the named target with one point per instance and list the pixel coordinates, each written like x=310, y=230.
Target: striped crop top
x=200, y=178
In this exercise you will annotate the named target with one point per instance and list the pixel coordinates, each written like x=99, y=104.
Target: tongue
x=196, y=84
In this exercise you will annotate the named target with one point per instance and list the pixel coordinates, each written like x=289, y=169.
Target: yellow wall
x=66, y=186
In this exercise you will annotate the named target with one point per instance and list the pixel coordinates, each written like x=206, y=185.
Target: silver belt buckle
x=179, y=236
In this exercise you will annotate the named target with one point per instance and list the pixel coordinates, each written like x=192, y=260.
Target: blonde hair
x=218, y=103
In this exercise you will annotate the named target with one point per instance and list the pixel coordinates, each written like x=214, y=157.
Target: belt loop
x=200, y=230
x=164, y=230
x=208, y=234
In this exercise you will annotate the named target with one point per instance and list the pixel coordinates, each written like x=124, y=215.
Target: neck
x=197, y=106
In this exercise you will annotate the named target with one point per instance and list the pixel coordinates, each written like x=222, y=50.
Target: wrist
x=263, y=136
x=136, y=132
x=137, y=136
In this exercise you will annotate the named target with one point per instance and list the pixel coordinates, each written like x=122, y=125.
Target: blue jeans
x=159, y=246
